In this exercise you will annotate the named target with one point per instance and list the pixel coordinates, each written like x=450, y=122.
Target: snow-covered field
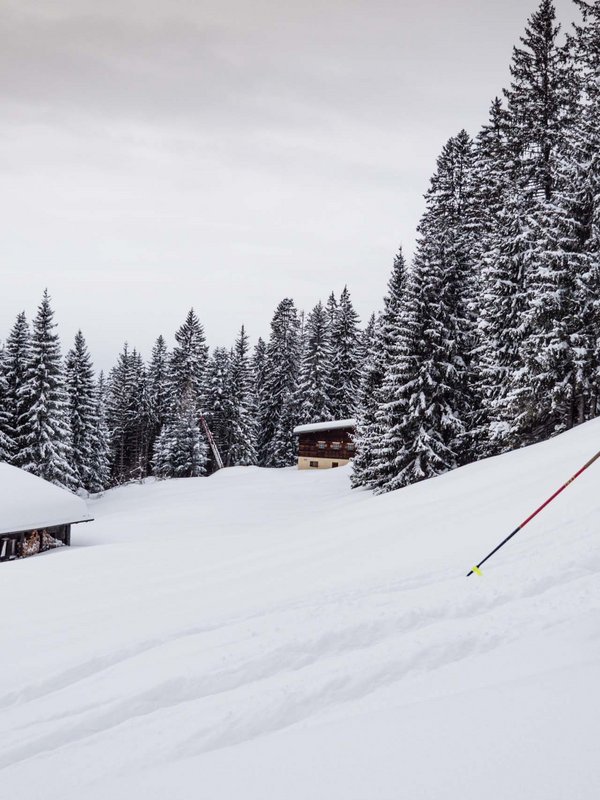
x=270, y=634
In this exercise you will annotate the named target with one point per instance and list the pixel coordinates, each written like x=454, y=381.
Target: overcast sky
x=158, y=154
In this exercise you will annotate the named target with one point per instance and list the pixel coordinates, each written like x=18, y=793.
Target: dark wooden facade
x=26, y=543
x=335, y=444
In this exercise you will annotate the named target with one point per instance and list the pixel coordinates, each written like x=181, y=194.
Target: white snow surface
x=271, y=634
x=334, y=425
x=28, y=502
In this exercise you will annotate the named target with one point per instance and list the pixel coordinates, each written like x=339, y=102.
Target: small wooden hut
x=323, y=445
x=35, y=515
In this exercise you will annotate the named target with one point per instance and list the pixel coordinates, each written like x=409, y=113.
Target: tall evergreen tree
x=217, y=399
x=345, y=356
x=579, y=207
x=541, y=378
x=81, y=412
x=188, y=363
x=17, y=357
x=44, y=427
x=278, y=411
x=427, y=407
x=6, y=443
x=314, y=388
x=158, y=389
x=241, y=423
x=180, y=449
x=382, y=353
x=100, y=458
x=129, y=417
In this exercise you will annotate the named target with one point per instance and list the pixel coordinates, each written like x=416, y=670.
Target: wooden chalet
x=323, y=445
x=35, y=515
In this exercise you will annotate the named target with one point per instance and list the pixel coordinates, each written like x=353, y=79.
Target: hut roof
x=28, y=502
x=325, y=426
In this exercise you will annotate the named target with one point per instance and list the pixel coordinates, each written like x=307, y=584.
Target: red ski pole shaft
x=537, y=511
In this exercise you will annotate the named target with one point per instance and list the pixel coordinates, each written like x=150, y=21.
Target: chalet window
x=334, y=464
x=321, y=445
x=336, y=445
x=350, y=446
x=314, y=464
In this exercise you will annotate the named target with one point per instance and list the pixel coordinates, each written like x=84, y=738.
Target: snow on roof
x=28, y=502
x=325, y=426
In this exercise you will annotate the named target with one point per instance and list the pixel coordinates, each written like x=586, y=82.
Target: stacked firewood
x=37, y=542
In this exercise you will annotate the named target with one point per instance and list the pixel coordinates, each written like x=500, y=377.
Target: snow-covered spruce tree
x=579, y=206
x=278, y=409
x=498, y=249
x=427, y=405
x=241, y=424
x=100, y=458
x=314, y=385
x=17, y=356
x=81, y=412
x=159, y=394
x=187, y=366
x=331, y=308
x=365, y=343
x=129, y=418
x=217, y=399
x=43, y=427
x=184, y=446
x=117, y=396
x=345, y=356
x=382, y=353
x=539, y=382
x=181, y=442
x=6, y=443
x=257, y=368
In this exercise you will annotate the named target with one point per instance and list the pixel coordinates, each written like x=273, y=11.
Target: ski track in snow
x=352, y=618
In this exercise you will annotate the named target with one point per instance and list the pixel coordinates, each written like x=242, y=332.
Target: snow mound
x=273, y=634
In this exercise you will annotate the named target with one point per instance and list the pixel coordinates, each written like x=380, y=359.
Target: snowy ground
x=271, y=634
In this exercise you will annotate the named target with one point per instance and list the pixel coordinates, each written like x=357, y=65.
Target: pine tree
x=365, y=343
x=43, y=427
x=257, y=369
x=100, y=458
x=427, y=407
x=81, y=411
x=315, y=390
x=158, y=389
x=580, y=205
x=6, y=443
x=540, y=380
x=188, y=362
x=241, y=449
x=129, y=418
x=188, y=451
x=331, y=309
x=502, y=294
x=381, y=355
x=278, y=411
x=180, y=449
x=216, y=399
x=345, y=355
x=17, y=356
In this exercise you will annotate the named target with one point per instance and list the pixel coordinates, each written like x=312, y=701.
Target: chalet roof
x=28, y=502
x=333, y=425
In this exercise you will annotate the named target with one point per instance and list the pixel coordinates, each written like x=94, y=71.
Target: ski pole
x=535, y=513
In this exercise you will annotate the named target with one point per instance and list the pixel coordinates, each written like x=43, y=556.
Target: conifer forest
x=489, y=340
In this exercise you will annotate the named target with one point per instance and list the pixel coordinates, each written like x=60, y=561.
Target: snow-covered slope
x=271, y=634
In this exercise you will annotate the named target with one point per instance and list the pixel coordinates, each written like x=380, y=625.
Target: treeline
x=61, y=423
x=492, y=340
